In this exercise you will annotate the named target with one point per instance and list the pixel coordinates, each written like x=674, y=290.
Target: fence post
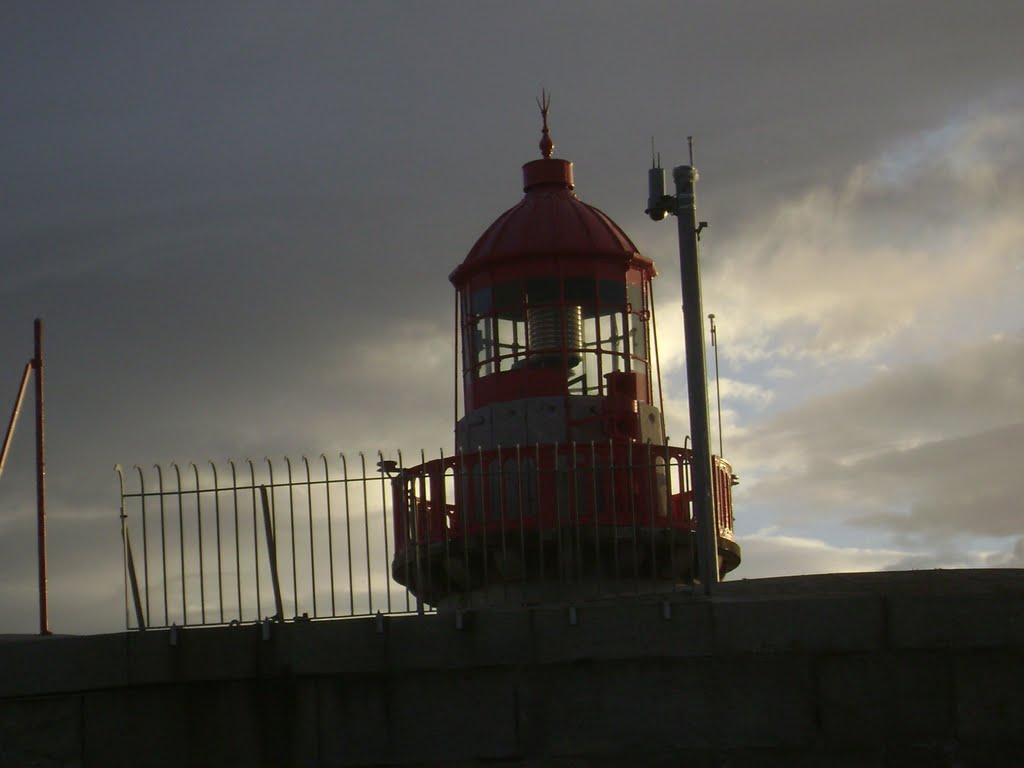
x=271, y=553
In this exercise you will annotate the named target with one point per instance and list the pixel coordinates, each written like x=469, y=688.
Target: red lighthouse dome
x=549, y=221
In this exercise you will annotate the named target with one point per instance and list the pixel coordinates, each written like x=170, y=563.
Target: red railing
x=542, y=487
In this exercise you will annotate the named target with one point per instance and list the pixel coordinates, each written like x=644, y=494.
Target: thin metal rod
x=400, y=493
x=124, y=548
x=291, y=523
x=631, y=486
x=238, y=544
x=486, y=496
x=594, y=505
x=366, y=530
x=312, y=550
x=330, y=532
x=134, y=580
x=612, y=482
x=522, y=512
x=428, y=487
x=181, y=543
x=348, y=536
x=384, y=521
x=718, y=386
x=465, y=481
x=199, y=535
x=447, y=530
x=501, y=512
x=666, y=499
x=220, y=563
x=163, y=540
x=411, y=504
x=271, y=552
x=37, y=363
x=455, y=382
x=255, y=539
x=145, y=540
x=14, y=415
x=576, y=543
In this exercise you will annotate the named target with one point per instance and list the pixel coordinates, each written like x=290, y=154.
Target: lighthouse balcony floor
x=528, y=567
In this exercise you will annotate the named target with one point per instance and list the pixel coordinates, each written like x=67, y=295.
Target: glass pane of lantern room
x=483, y=345
x=511, y=343
x=611, y=296
x=635, y=297
x=613, y=337
x=637, y=337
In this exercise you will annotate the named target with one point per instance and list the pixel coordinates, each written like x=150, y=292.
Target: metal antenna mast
x=683, y=206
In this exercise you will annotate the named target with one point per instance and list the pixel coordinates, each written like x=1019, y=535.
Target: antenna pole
x=685, y=177
x=37, y=364
x=718, y=386
x=683, y=206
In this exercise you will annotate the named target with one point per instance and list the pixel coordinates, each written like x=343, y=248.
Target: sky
x=237, y=221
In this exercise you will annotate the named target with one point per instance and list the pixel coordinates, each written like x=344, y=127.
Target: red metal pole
x=37, y=364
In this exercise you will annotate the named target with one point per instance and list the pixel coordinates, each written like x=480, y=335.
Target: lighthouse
x=562, y=486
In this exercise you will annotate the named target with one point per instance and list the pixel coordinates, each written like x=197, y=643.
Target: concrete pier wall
x=911, y=669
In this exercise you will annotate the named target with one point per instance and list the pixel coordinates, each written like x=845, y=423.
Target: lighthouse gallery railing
x=331, y=538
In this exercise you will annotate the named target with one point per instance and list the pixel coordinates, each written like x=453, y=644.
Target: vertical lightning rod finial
x=547, y=146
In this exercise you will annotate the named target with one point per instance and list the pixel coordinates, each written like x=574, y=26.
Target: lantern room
x=555, y=311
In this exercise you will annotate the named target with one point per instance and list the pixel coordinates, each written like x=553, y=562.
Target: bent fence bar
x=328, y=538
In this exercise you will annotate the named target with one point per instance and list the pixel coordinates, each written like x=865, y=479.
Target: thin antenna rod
x=718, y=387
x=689, y=140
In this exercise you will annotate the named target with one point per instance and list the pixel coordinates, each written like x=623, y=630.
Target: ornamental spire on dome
x=547, y=173
x=547, y=146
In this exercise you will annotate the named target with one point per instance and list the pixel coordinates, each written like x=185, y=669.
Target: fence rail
x=323, y=538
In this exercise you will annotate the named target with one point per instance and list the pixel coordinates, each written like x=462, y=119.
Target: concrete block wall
x=921, y=670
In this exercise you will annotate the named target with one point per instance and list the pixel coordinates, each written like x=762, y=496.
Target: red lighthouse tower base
x=563, y=483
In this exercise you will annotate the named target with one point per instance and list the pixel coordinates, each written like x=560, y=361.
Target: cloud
x=970, y=485
x=767, y=553
x=926, y=230
x=973, y=389
x=927, y=455
x=1014, y=558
